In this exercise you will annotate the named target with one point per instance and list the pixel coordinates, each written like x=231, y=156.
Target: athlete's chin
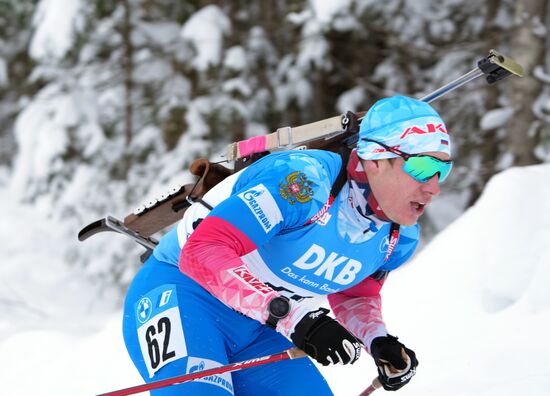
x=407, y=218
x=407, y=223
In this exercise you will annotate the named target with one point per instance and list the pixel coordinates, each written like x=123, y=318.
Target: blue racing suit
x=201, y=299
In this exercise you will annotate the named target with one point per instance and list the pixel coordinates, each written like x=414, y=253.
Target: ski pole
x=292, y=353
x=376, y=384
x=372, y=387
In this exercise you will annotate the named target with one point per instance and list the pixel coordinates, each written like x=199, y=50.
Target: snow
x=235, y=58
x=37, y=124
x=496, y=118
x=56, y=21
x=205, y=30
x=350, y=100
x=540, y=74
x=474, y=305
x=326, y=10
x=161, y=33
x=152, y=70
x=479, y=318
x=3, y=72
x=42, y=131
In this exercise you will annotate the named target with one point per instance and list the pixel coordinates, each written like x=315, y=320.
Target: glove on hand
x=325, y=340
x=396, y=363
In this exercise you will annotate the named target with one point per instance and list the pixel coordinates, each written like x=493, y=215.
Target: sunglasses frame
x=406, y=156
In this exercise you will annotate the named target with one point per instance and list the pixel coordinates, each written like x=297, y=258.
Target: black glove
x=396, y=363
x=325, y=340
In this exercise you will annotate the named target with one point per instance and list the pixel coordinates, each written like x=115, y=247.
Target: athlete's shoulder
x=298, y=181
x=306, y=160
x=315, y=168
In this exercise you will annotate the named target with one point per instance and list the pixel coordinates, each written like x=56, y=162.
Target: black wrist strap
x=278, y=309
x=272, y=321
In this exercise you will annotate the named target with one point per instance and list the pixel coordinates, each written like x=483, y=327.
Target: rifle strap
x=287, y=137
x=342, y=177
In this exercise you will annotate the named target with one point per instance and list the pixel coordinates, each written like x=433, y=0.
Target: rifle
x=328, y=134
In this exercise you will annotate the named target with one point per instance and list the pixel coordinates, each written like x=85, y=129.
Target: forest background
x=104, y=104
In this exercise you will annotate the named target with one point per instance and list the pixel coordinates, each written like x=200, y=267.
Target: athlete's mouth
x=418, y=207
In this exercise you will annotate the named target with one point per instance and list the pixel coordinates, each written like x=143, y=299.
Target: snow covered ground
x=474, y=305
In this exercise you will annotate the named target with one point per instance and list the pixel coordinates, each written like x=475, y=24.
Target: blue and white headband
x=407, y=124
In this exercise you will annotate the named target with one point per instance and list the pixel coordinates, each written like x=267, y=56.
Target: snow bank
x=474, y=305
x=62, y=363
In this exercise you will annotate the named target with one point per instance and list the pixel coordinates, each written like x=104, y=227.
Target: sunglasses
x=420, y=166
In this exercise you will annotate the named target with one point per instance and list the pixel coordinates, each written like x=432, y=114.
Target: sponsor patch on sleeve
x=263, y=206
x=243, y=274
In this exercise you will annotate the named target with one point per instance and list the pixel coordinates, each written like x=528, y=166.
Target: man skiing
x=245, y=279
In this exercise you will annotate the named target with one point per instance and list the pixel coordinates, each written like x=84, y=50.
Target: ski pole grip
x=295, y=353
x=376, y=384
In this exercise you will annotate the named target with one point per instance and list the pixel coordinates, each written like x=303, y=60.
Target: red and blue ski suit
x=201, y=299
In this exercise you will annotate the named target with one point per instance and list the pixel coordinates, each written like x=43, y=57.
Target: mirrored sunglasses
x=421, y=167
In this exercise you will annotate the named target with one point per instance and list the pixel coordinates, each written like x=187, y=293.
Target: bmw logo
x=144, y=310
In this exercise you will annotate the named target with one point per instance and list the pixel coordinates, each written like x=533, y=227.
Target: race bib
x=159, y=329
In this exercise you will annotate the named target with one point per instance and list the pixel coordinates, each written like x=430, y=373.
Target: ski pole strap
x=339, y=183
x=292, y=353
x=286, y=137
x=342, y=177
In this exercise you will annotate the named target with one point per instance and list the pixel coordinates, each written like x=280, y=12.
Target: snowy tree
x=528, y=97
x=108, y=104
x=15, y=65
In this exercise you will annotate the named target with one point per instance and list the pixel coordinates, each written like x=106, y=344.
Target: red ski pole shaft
x=292, y=353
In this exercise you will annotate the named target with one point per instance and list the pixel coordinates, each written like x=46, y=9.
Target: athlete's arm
x=250, y=217
x=359, y=309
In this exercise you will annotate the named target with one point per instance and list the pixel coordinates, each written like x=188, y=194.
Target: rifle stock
x=169, y=208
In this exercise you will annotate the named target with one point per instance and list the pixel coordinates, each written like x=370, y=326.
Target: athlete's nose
x=432, y=186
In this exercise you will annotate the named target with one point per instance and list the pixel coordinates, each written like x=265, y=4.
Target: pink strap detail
x=255, y=144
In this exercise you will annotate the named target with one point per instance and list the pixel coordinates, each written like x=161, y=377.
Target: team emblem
x=296, y=188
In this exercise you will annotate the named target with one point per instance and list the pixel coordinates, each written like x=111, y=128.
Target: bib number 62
x=156, y=336
x=161, y=340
